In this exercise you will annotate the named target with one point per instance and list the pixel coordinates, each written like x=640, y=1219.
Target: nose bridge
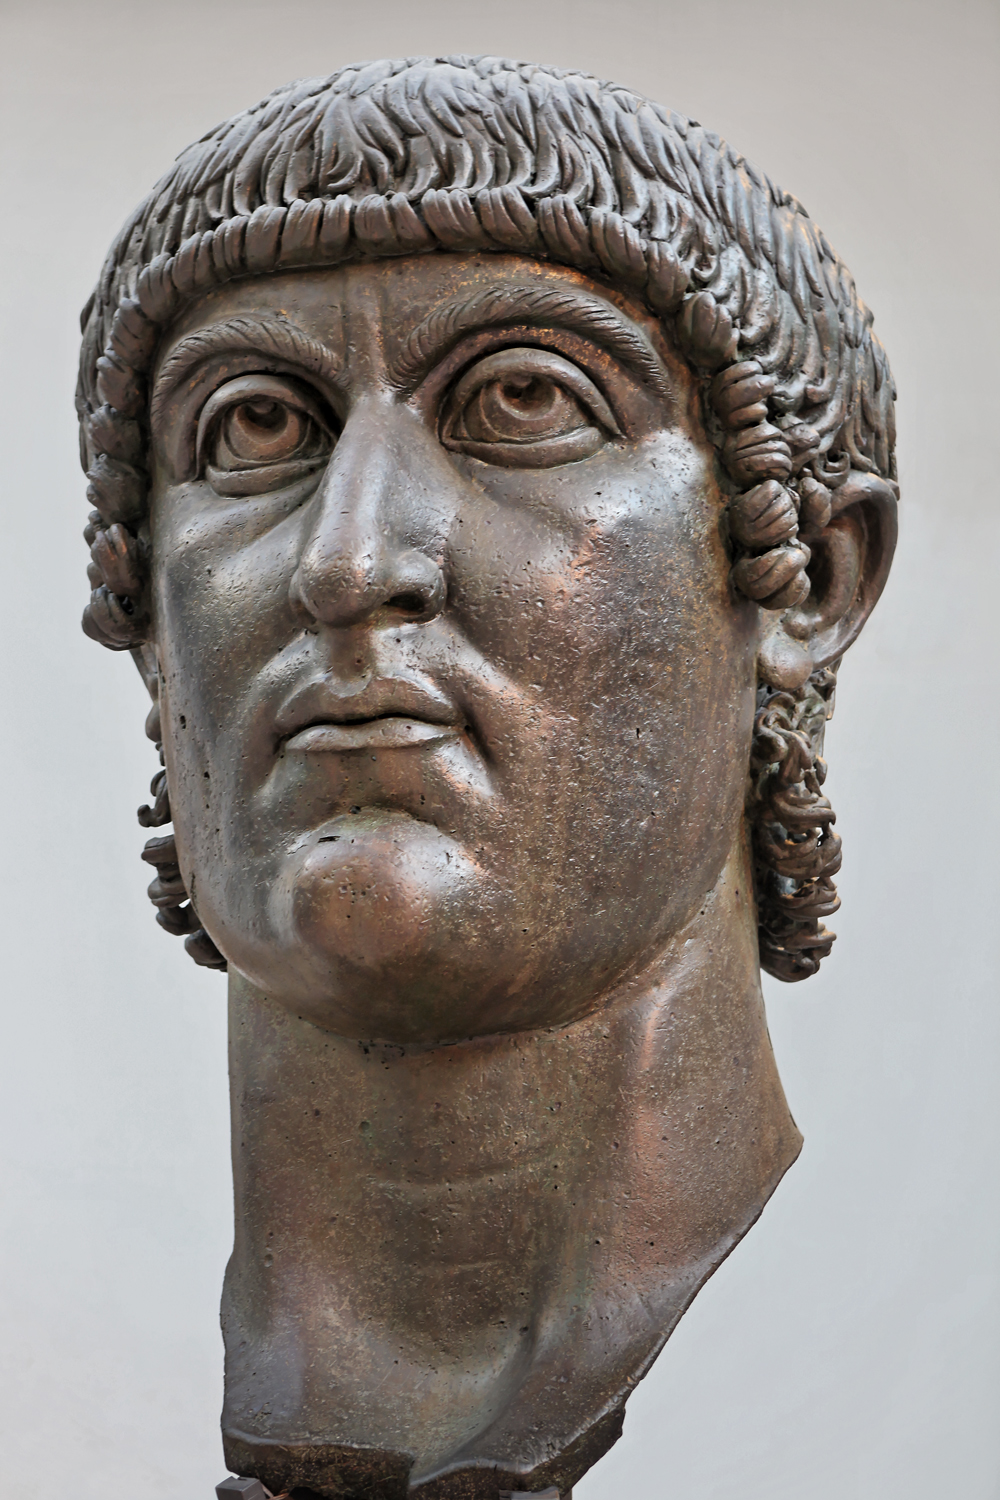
x=361, y=553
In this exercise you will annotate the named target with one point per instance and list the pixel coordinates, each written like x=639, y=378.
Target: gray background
x=849, y=1350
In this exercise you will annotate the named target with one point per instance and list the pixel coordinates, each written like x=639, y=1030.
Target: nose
x=366, y=553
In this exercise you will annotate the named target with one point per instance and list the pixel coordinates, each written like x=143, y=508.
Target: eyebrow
x=570, y=309
x=274, y=337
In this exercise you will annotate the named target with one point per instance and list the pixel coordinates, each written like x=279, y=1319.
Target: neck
x=425, y=1237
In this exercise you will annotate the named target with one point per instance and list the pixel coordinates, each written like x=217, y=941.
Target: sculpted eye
x=526, y=408
x=261, y=433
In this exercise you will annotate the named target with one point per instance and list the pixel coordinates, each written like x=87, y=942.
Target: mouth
x=381, y=714
x=390, y=732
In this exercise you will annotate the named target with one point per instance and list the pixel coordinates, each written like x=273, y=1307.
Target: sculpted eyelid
x=579, y=348
x=547, y=364
x=244, y=388
x=268, y=338
x=532, y=311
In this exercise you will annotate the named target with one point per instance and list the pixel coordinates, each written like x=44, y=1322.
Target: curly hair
x=484, y=154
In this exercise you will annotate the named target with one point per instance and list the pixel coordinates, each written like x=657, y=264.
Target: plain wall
x=849, y=1349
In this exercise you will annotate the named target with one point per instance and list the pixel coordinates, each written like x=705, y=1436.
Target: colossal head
x=489, y=471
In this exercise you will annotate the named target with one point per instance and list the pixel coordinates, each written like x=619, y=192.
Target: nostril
x=408, y=604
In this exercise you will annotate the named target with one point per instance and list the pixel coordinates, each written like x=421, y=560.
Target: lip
x=387, y=713
x=393, y=732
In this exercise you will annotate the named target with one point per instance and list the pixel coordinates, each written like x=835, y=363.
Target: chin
x=380, y=927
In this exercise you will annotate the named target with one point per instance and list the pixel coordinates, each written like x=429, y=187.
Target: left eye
x=526, y=408
x=261, y=433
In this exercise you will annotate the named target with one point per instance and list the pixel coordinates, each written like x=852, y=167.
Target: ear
x=847, y=573
x=149, y=670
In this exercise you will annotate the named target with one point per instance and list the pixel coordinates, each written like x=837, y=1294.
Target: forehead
x=381, y=304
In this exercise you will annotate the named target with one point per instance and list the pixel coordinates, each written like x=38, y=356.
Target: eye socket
x=261, y=433
x=526, y=408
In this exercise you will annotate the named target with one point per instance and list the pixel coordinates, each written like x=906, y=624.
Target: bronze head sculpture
x=489, y=471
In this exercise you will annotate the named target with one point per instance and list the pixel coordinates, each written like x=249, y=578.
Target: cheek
x=622, y=617
x=607, y=585
x=221, y=579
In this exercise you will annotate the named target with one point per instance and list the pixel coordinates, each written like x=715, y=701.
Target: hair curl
x=796, y=852
x=484, y=154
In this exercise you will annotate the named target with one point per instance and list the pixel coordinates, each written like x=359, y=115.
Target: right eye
x=261, y=433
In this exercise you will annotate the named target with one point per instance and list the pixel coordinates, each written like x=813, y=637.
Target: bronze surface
x=490, y=470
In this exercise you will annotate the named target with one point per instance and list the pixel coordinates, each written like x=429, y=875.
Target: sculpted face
x=456, y=697
x=488, y=470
